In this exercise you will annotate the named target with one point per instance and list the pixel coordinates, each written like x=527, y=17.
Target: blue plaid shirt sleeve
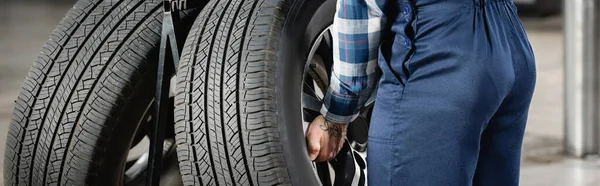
x=356, y=30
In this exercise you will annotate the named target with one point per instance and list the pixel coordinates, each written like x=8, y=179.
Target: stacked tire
x=238, y=118
x=69, y=125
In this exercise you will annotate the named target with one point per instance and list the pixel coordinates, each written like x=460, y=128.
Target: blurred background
x=25, y=26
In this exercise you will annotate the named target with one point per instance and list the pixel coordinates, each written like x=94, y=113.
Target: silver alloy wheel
x=315, y=81
x=139, y=163
x=137, y=159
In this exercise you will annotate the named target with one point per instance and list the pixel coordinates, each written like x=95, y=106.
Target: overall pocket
x=394, y=57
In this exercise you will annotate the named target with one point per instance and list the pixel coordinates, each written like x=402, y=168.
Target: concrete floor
x=24, y=27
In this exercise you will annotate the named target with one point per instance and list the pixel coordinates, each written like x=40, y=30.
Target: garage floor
x=24, y=27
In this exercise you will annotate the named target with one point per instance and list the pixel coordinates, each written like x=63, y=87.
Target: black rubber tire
x=238, y=117
x=75, y=117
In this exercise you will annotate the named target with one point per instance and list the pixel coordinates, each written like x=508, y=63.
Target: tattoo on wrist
x=334, y=130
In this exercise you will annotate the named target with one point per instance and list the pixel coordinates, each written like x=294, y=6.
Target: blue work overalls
x=457, y=81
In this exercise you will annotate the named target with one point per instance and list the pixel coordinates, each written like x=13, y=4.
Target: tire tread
x=85, y=74
x=225, y=85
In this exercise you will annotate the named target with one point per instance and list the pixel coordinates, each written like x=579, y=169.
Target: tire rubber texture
x=237, y=104
x=83, y=97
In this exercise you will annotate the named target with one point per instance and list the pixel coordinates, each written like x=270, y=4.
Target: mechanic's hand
x=325, y=139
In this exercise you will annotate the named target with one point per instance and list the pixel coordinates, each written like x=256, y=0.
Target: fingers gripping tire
x=80, y=105
x=238, y=116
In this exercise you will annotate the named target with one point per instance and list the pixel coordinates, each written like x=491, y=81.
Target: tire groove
x=43, y=119
x=188, y=106
x=252, y=102
x=77, y=81
x=210, y=56
x=52, y=63
x=72, y=33
x=224, y=56
x=192, y=70
x=121, y=44
x=239, y=92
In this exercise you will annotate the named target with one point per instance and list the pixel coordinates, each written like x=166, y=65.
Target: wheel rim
x=136, y=163
x=315, y=80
